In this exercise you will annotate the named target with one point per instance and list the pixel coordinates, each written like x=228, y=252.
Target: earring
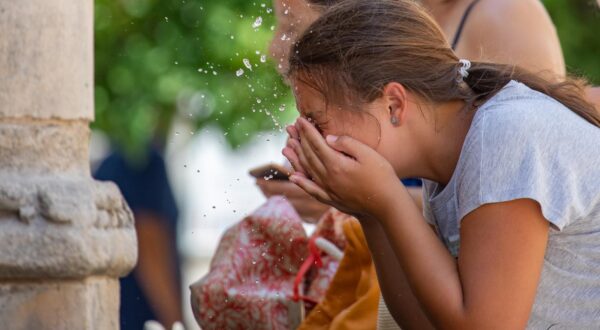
x=394, y=121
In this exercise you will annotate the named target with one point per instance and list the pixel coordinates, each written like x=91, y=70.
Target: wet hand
x=341, y=171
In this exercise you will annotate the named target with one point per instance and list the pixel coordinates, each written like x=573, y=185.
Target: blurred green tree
x=578, y=26
x=156, y=60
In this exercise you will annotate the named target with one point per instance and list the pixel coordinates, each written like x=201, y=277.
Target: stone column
x=64, y=238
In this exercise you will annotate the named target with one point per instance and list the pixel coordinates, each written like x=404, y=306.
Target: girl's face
x=293, y=17
x=368, y=123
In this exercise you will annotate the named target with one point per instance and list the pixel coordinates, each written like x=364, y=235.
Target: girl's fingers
x=292, y=157
x=307, y=167
x=311, y=188
x=318, y=170
x=292, y=132
x=348, y=146
x=310, y=134
x=308, y=170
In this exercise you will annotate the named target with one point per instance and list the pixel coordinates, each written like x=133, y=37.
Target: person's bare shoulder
x=518, y=32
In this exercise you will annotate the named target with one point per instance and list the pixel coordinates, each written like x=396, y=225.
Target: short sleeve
x=521, y=154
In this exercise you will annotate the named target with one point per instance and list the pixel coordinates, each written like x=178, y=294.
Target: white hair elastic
x=465, y=65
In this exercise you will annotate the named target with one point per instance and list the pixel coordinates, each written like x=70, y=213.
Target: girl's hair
x=323, y=3
x=357, y=47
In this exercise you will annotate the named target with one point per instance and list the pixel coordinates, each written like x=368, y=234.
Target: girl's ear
x=395, y=96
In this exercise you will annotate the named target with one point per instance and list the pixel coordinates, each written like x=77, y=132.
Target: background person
x=152, y=291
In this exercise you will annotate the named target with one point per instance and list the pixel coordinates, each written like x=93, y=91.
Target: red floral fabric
x=250, y=282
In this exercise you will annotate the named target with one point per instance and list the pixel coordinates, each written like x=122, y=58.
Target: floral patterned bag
x=252, y=276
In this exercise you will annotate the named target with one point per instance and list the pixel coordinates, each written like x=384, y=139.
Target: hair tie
x=465, y=65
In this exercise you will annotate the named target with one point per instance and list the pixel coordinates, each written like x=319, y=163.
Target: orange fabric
x=352, y=299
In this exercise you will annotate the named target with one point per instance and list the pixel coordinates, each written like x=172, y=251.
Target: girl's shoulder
x=525, y=144
x=520, y=110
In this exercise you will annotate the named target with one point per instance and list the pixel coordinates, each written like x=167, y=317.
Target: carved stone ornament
x=58, y=227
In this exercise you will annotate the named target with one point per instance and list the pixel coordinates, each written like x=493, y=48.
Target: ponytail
x=486, y=79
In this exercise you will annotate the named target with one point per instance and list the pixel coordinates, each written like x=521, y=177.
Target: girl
x=476, y=29
x=511, y=162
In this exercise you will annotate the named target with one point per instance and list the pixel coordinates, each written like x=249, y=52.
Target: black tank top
x=462, y=24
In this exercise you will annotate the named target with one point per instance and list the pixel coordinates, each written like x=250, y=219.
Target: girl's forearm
x=429, y=268
x=395, y=289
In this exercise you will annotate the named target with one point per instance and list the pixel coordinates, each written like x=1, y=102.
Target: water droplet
x=214, y=73
x=254, y=262
x=239, y=72
x=263, y=58
x=247, y=64
x=284, y=37
x=282, y=108
x=257, y=23
x=258, y=101
x=166, y=19
x=176, y=62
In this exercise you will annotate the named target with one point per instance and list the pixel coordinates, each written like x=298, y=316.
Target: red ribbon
x=313, y=258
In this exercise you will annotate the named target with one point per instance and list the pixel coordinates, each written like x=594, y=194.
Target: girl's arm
x=394, y=286
x=493, y=285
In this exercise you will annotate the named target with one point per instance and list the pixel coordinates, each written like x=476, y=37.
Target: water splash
x=257, y=23
x=247, y=64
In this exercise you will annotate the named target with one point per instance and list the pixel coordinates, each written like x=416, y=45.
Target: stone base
x=91, y=303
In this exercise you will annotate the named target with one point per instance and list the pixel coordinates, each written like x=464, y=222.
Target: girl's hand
x=342, y=172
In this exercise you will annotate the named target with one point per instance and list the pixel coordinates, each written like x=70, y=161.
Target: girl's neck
x=446, y=140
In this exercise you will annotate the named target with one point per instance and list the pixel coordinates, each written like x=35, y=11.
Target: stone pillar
x=64, y=238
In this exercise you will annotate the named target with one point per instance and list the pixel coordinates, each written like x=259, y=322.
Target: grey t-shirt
x=524, y=144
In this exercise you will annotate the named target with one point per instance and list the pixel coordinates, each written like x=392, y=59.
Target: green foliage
x=578, y=26
x=157, y=60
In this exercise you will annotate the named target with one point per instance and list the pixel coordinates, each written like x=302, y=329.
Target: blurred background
x=187, y=101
